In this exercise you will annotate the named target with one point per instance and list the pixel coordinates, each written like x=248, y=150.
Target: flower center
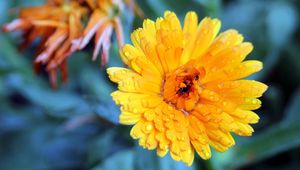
x=182, y=87
x=186, y=86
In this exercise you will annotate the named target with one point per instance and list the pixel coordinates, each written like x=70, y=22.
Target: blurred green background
x=76, y=126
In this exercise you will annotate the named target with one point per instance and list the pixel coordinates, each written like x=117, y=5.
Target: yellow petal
x=242, y=129
x=245, y=116
x=238, y=88
x=136, y=59
x=227, y=58
x=129, y=81
x=134, y=102
x=250, y=104
x=189, y=30
x=227, y=39
x=203, y=150
x=220, y=140
x=128, y=118
x=207, y=31
x=151, y=142
x=244, y=69
x=188, y=156
x=136, y=131
x=161, y=152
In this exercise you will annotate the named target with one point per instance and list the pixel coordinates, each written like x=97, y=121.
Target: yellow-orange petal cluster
x=184, y=90
x=65, y=26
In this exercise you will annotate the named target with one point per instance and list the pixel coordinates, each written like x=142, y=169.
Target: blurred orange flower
x=62, y=27
x=103, y=20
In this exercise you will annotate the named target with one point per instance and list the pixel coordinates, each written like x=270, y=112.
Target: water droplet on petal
x=127, y=54
x=149, y=127
x=135, y=110
x=145, y=103
x=221, y=85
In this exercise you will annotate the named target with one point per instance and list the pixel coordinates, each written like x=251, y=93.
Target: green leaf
x=42, y=144
x=98, y=93
x=269, y=62
x=211, y=7
x=3, y=8
x=281, y=22
x=160, y=6
x=54, y=101
x=167, y=163
x=290, y=64
x=274, y=140
x=220, y=161
x=10, y=58
x=121, y=160
x=100, y=147
x=292, y=113
x=148, y=160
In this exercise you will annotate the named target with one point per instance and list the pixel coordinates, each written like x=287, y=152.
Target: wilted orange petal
x=97, y=19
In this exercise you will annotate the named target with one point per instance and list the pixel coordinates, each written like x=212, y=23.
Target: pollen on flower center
x=182, y=87
x=185, y=87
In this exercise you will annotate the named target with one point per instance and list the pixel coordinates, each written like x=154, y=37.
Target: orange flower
x=184, y=90
x=57, y=23
x=103, y=20
x=61, y=26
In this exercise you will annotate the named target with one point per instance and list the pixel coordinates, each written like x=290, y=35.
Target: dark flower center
x=182, y=86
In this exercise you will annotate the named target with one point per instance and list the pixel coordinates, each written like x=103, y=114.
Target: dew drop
x=127, y=54
x=125, y=107
x=145, y=103
x=136, y=84
x=214, y=69
x=131, y=98
x=244, y=116
x=176, y=152
x=254, y=101
x=135, y=110
x=134, y=134
x=220, y=86
x=149, y=127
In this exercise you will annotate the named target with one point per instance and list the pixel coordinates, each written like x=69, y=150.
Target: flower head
x=61, y=26
x=104, y=19
x=57, y=23
x=184, y=90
